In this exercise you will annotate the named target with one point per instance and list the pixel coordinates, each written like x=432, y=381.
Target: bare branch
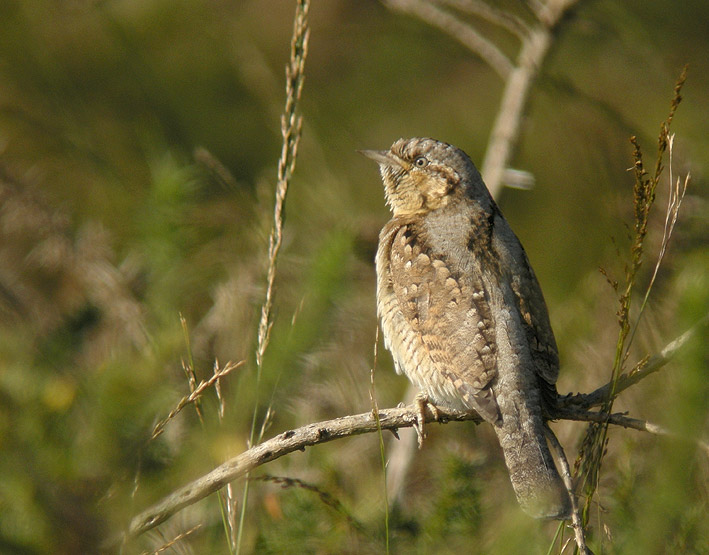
x=628, y=379
x=506, y=20
x=505, y=131
x=463, y=33
x=282, y=444
x=618, y=419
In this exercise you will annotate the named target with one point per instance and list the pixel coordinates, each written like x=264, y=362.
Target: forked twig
x=517, y=76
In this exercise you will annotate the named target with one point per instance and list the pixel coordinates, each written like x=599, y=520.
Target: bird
x=462, y=312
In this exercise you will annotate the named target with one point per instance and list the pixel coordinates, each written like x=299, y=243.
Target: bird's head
x=421, y=175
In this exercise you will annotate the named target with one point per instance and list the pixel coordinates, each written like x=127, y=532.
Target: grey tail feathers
x=535, y=480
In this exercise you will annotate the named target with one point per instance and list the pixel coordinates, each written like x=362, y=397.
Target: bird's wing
x=447, y=318
x=530, y=303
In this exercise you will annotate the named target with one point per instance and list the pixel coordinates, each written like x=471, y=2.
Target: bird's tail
x=535, y=480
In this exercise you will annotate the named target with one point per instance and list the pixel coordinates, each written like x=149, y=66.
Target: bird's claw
x=422, y=401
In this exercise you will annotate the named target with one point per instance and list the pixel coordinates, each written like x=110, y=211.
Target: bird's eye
x=421, y=162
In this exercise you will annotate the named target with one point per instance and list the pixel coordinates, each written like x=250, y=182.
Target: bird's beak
x=382, y=157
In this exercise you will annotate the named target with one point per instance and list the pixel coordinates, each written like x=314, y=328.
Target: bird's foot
x=422, y=401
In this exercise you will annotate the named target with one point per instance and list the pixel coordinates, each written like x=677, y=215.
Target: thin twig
x=465, y=34
x=504, y=19
x=576, y=522
x=628, y=379
x=630, y=423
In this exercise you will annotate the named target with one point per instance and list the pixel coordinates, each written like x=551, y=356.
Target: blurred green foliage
x=138, y=149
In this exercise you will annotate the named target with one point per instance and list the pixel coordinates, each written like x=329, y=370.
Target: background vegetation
x=138, y=150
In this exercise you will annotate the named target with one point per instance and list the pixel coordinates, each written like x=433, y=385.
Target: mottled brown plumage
x=462, y=312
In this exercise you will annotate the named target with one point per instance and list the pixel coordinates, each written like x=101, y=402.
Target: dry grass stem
x=228, y=500
x=188, y=367
x=265, y=423
x=593, y=449
x=286, y=482
x=231, y=522
x=216, y=168
x=677, y=190
x=382, y=447
x=173, y=541
x=291, y=127
x=195, y=394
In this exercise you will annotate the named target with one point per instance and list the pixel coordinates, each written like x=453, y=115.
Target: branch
x=506, y=20
x=568, y=408
x=619, y=419
x=628, y=379
x=463, y=33
x=518, y=77
x=505, y=131
x=282, y=444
